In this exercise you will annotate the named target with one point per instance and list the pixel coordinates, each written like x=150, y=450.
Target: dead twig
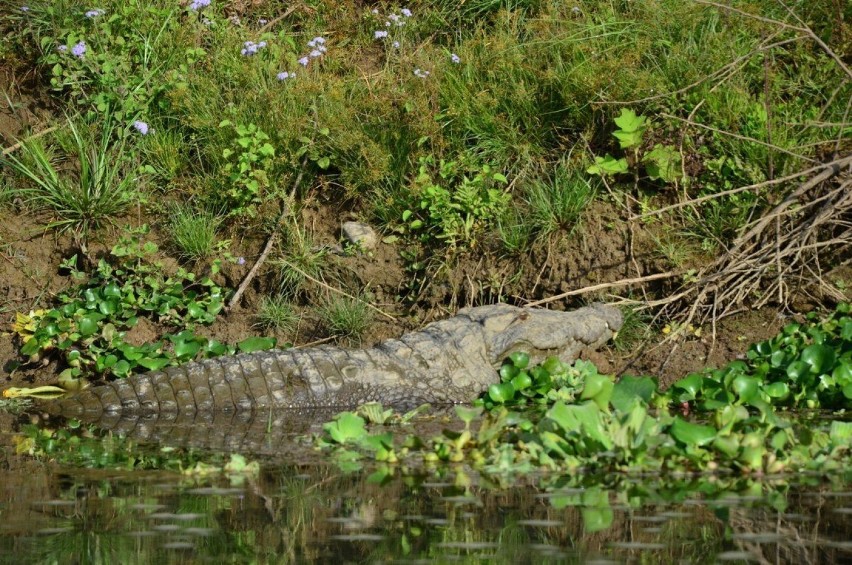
x=601, y=286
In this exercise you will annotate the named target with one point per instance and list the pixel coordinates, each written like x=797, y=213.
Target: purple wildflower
x=315, y=53
x=406, y=12
x=380, y=34
x=94, y=13
x=141, y=127
x=285, y=75
x=241, y=261
x=79, y=50
x=262, y=21
x=396, y=44
x=251, y=48
x=316, y=42
x=62, y=48
x=25, y=8
x=198, y=4
x=421, y=74
x=304, y=61
x=455, y=58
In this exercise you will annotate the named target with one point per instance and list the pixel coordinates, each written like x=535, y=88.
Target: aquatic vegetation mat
x=568, y=418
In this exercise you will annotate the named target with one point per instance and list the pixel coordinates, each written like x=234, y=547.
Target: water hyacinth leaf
x=727, y=445
x=468, y=414
x=253, y=344
x=820, y=358
x=847, y=391
x=777, y=390
x=186, y=349
x=598, y=388
x=501, y=393
x=797, y=369
x=87, y=325
x=508, y=372
x=841, y=433
x=746, y=388
x=346, y=426
x=597, y=519
x=153, y=364
x=692, y=434
x=522, y=381
x=629, y=388
x=520, y=359
x=690, y=386
x=584, y=419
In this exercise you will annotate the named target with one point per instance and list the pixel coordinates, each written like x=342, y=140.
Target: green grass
x=345, y=317
x=93, y=189
x=277, y=313
x=192, y=231
x=300, y=260
x=557, y=200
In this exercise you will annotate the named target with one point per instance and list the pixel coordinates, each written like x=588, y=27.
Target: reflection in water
x=313, y=511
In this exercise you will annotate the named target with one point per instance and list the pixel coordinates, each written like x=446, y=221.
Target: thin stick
x=842, y=162
x=593, y=288
x=270, y=242
x=804, y=29
x=738, y=136
x=21, y=143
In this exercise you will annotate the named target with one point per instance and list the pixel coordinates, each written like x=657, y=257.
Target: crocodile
x=450, y=361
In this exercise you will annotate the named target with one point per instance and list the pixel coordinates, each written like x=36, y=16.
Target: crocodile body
x=447, y=362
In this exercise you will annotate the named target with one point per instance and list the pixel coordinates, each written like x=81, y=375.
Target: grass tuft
x=277, y=313
x=345, y=317
x=192, y=231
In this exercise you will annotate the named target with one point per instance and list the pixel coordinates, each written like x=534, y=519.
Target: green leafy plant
x=662, y=162
x=455, y=204
x=88, y=327
x=247, y=163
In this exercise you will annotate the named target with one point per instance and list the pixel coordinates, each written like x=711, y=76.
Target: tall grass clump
x=345, y=317
x=277, y=313
x=300, y=260
x=557, y=201
x=86, y=187
x=192, y=231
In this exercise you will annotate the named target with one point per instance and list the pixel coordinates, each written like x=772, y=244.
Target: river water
x=297, y=506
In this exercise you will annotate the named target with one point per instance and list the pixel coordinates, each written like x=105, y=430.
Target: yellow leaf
x=37, y=392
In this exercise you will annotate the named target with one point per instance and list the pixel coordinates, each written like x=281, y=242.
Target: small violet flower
x=196, y=5
x=241, y=261
x=285, y=75
x=62, y=48
x=94, y=13
x=455, y=58
x=25, y=8
x=317, y=41
x=380, y=34
x=251, y=48
x=406, y=12
x=262, y=21
x=304, y=61
x=421, y=74
x=315, y=53
x=395, y=44
x=141, y=127
x=79, y=50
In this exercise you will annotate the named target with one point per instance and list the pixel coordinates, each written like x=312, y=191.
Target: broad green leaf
x=256, y=344
x=584, y=419
x=346, y=426
x=692, y=434
x=186, y=349
x=841, y=433
x=777, y=390
x=501, y=393
x=608, y=165
x=520, y=359
x=87, y=325
x=691, y=385
x=746, y=388
x=819, y=357
x=153, y=364
x=629, y=388
x=597, y=518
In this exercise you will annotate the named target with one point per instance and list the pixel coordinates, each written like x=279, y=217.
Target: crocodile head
x=543, y=333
